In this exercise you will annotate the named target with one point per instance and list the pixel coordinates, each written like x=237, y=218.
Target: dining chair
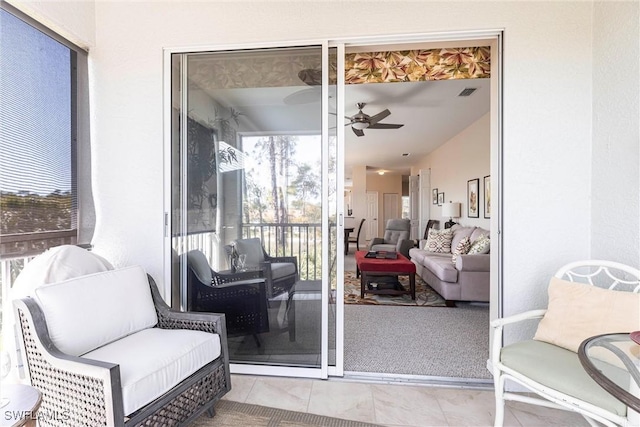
x=356, y=239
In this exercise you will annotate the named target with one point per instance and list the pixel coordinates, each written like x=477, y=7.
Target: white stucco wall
x=547, y=112
x=465, y=156
x=74, y=20
x=615, y=179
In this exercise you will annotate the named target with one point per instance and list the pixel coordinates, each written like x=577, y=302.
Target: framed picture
x=487, y=196
x=434, y=196
x=473, y=210
x=440, y=198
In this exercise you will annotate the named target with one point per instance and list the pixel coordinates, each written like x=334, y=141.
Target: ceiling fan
x=361, y=121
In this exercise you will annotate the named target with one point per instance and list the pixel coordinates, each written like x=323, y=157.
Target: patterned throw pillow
x=463, y=247
x=439, y=241
x=481, y=245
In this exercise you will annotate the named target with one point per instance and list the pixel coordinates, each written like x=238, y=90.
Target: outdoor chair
x=105, y=350
x=396, y=237
x=280, y=273
x=356, y=239
x=241, y=296
x=584, y=301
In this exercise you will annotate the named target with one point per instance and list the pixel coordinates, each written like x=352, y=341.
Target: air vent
x=467, y=91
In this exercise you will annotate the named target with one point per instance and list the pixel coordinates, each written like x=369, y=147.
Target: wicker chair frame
x=83, y=392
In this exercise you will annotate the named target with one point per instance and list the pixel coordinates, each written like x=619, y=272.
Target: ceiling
x=431, y=111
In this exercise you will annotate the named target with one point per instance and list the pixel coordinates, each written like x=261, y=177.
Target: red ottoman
x=385, y=267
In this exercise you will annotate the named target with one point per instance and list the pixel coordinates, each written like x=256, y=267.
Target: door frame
x=497, y=167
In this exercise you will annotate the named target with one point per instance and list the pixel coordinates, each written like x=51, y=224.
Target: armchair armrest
x=291, y=259
x=476, y=262
x=498, y=324
x=172, y=319
x=376, y=241
x=404, y=246
x=58, y=374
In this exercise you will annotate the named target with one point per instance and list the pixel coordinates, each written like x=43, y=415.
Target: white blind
x=37, y=202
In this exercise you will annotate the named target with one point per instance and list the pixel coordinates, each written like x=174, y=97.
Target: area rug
x=425, y=295
x=236, y=414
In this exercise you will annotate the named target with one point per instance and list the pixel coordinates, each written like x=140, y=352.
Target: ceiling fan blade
x=311, y=76
x=358, y=132
x=304, y=96
x=385, y=126
x=381, y=115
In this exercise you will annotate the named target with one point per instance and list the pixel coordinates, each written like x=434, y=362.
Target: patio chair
x=241, y=296
x=548, y=365
x=280, y=273
x=356, y=239
x=396, y=237
x=105, y=350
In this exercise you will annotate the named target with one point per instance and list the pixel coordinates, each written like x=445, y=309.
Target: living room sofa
x=466, y=280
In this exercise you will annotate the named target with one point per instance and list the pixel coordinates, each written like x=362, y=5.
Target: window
x=39, y=137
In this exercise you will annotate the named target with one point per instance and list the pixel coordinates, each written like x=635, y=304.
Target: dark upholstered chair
x=356, y=239
x=396, y=237
x=280, y=273
x=240, y=296
x=432, y=223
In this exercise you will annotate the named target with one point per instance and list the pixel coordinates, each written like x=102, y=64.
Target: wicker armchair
x=280, y=273
x=81, y=390
x=240, y=296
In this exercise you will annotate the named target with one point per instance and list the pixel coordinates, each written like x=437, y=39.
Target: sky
x=35, y=109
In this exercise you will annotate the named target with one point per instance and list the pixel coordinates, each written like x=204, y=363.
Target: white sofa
x=104, y=349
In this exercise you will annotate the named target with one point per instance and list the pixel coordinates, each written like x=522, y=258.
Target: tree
x=307, y=184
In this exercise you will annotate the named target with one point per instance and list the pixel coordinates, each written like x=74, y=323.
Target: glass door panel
x=247, y=176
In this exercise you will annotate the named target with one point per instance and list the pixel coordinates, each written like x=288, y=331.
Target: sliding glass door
x=254, y=218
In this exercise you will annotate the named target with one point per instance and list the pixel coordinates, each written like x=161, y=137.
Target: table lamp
x=450, y=210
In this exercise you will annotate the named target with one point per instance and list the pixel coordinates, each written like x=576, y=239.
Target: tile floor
x=394, y=405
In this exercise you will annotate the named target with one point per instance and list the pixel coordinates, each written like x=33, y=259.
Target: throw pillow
x=463, y=247
x=439, y=241
x=578, y=311
x=481, y=245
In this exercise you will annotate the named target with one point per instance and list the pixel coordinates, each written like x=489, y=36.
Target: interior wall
x=387, y=183
x=465, y=156
x=546, y=121
x=615, y=178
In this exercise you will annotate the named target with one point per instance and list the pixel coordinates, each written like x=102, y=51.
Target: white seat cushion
x=155, y=360
x=90, y=311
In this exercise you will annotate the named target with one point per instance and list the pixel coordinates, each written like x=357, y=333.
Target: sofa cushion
x=560, y=369
x=439, y=241
x=481, y=245
x=155, y=360
x=459, y=233
x=441, y=267
x=90, y=311
x=461, y=249
x=577, y=311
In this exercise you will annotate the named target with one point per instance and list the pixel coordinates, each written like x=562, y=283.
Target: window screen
x=38, y=200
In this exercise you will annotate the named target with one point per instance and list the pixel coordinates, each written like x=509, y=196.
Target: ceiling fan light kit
x=361, y=121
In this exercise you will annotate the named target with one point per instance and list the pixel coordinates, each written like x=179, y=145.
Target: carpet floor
x=236, y=414
x=439, y=342
x=425, y=295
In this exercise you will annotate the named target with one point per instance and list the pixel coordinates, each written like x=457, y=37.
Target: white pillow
x=88, y=312
x=578, y=311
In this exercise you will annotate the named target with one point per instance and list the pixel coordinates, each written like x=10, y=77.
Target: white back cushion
x=88, y=312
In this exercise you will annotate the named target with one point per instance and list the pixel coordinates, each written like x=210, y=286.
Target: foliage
x=26, y=212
